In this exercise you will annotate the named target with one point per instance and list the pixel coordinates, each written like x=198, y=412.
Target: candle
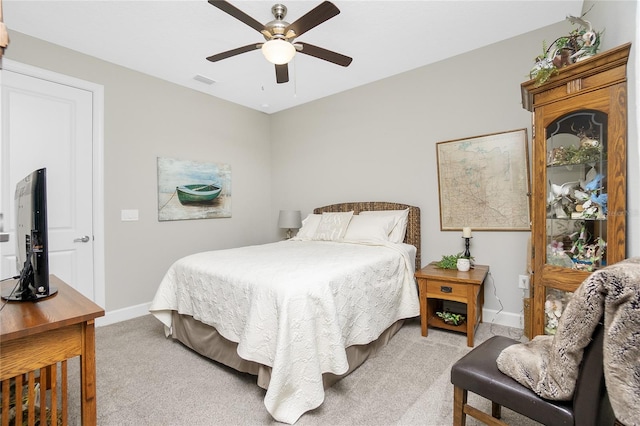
x=466, y=232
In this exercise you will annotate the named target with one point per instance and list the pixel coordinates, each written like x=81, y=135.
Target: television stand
x=40, y=338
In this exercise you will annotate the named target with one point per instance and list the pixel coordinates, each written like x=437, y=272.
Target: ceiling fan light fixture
x=278, y=51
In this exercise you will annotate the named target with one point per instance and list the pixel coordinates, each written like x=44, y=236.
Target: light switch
x=129, y=215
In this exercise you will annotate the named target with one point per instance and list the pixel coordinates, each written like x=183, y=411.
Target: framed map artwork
x=483, y=182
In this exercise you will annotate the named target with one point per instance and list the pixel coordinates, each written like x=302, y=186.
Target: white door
x=46, y=124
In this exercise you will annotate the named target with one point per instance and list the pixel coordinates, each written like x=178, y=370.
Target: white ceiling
x=170, y=39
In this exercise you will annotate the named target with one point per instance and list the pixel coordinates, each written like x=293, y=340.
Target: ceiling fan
x=279, y=48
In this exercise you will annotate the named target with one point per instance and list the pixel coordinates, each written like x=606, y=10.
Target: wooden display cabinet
x=579, y=177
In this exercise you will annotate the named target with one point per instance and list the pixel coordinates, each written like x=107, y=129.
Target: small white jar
x=463, y=265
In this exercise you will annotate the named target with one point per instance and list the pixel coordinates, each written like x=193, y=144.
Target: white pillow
x=369, y=228
x=400, y=227
x=309, y=227
x=332, y=226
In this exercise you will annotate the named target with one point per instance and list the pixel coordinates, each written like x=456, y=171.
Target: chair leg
x=496, y=410
x=459, y=400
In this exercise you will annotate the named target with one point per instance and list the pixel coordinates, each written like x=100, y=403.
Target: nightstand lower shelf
x=437, y=322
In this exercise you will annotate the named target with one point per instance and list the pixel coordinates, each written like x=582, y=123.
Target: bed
x=302, y=313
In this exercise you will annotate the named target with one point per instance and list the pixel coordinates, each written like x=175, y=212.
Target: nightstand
x=437, y=285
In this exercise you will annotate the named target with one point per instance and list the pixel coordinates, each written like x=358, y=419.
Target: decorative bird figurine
x=594, y=184
x=601, y=200
x=589, y=38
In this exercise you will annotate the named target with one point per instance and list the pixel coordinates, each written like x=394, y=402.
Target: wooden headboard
x=413, y=223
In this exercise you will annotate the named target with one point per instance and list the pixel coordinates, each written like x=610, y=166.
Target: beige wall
x=375, y=142
x=146, y=118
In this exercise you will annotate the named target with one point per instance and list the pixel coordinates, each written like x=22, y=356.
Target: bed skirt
x=206, y=341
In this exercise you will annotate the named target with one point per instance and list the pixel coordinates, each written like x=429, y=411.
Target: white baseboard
x=507, y=319
x=123, y=314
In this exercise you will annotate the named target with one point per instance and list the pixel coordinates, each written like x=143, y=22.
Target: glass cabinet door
x=576, y=217
x=576, y=224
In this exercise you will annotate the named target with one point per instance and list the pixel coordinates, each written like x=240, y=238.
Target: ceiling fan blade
x=282, y=73
x=323, y=12
x=237, y=13
x=232, y=52
x=327, y=55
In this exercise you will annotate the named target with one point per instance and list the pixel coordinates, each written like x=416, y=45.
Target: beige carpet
x=145, y=379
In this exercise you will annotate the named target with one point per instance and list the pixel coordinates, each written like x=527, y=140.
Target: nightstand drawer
x=445, y=289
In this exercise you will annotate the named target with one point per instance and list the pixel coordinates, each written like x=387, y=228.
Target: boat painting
x=190, y=189
x=198, y=193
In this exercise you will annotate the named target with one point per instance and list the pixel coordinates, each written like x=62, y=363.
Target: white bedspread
x=294, y=306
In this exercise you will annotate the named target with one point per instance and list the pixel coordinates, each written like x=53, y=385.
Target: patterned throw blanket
x=549, y=364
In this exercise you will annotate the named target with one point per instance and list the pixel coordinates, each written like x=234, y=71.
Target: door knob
x=84, y=239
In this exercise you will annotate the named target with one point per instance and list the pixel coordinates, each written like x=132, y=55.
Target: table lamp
x=289, y=219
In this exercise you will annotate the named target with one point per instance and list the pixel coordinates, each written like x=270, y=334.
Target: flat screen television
x=32, y=254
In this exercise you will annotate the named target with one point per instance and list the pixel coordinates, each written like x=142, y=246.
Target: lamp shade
x=289, y=219
x=278, y=51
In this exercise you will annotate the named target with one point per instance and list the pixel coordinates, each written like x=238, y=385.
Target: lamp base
x=467, y=253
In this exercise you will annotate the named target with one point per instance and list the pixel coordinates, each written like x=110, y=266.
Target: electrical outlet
x=523, y=282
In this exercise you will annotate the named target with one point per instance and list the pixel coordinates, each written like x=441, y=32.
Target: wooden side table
x=436, y=284
x=38, y=335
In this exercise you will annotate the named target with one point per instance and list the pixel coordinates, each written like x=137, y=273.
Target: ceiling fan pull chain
x=295, y=78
